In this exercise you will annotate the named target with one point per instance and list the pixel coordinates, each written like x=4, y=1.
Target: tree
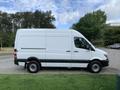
x=111, y=35
x=37, y=19
x=5, y=28
x=6, y=24
x=26, y=19
x=43, y=19
x=91, y=24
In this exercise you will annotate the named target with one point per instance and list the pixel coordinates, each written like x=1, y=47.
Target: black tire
x=95, y=67
x=33, y=67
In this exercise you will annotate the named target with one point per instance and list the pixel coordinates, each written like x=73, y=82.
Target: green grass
x=57, y=82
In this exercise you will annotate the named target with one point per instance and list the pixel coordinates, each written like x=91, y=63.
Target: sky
x=66, y=12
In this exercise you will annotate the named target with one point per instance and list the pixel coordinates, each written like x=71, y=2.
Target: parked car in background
x=114, y=46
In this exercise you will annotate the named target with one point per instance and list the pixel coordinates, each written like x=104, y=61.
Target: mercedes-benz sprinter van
x=37, y=48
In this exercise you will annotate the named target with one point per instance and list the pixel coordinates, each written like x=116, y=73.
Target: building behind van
x=37, y=48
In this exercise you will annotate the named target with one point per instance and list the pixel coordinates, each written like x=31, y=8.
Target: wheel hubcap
x=95, y=67
x=33, y=67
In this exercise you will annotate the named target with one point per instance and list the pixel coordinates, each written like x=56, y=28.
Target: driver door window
x=80, y=43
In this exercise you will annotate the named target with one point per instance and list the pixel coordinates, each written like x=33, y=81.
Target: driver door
x=80, y=51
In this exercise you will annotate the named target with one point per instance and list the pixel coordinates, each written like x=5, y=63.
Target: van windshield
x=82, y=43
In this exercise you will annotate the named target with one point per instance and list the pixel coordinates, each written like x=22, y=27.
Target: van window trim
x=92, y=49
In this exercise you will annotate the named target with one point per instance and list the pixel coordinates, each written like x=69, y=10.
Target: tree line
x=91, y=25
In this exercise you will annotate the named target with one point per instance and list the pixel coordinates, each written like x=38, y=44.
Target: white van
x=36, y=48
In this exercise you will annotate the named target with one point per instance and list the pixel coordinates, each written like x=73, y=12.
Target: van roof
x=51, y=30
x=44, y=29
x=36, y=29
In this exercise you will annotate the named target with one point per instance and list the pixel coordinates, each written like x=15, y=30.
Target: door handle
x=75, y=51
x=68, y=51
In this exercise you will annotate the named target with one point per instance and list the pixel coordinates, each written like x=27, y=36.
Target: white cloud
x=65, y=11
x=29, y=5
x=94, y=1
x=68, y=17
x=112, y=9
x=6, y=10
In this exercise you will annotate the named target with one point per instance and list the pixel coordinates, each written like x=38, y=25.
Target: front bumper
x=105, y=63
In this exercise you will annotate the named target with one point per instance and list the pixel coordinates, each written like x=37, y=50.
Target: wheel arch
x=98, y=60
x=33, y=59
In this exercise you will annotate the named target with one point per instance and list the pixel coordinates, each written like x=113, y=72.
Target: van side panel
x=31, y=45
x=58, y=46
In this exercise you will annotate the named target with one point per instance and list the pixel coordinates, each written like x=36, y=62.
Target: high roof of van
x=45, y=29
x=76, y=33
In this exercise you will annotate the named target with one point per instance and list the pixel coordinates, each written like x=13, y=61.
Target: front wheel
x=33, y=67
x=95, y=67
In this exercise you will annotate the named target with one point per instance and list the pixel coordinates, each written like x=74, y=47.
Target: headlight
x=106, y=56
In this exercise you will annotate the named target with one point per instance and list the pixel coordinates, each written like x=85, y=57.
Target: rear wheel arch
x=33, y=59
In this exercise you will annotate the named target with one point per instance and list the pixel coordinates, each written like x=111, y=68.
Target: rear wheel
x=33, y=66
x=95, y=67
